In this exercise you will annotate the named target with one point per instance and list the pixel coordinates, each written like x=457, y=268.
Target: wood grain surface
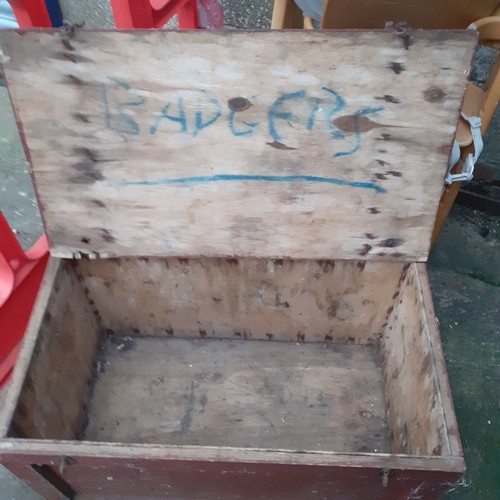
x=265, y=144
x=254, y=299
x=250, y=394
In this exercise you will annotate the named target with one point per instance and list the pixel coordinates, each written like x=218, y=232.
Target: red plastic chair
x=20, y=277
x=31, y=13
x=129, y=14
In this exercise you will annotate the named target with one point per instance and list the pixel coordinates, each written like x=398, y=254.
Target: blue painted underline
x=262, y=178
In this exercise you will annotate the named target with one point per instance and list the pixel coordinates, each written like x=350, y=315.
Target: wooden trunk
x=240, y=315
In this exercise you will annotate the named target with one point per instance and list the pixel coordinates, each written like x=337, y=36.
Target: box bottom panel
x=257, y=394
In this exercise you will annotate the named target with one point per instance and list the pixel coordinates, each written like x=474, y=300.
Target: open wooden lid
x=265, y=144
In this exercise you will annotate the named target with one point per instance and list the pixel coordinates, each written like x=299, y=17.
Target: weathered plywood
x=301, y=301
x=238, y=144
x=52, y=401
x=416, y=391
x=240, y=394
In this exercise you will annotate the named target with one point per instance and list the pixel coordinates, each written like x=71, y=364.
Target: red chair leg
x=144, y=14
x=188, y=15
x=130, y=14
x=31, y=13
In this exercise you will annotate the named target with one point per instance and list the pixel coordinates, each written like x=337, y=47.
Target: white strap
x=470, y=159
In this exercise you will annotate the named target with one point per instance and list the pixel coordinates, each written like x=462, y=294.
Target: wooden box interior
x=330, y=356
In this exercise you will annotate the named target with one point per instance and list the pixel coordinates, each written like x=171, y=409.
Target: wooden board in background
x=265, y=144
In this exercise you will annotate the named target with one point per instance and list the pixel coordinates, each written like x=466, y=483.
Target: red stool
x=31, y=13
x=129, y=14
x=20, y=277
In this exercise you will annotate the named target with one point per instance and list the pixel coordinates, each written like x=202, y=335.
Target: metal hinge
x=470, y=160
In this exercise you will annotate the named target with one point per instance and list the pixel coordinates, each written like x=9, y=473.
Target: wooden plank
x=439, y=366
x=428, y=14
x=86, y=451
x=138, y=478
x=55, y=389
x=303, y=300
x=276, y=395
x=413, y=373
x=28, y=345
x=238, y=144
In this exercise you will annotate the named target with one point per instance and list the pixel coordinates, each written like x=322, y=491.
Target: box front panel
x=116, y=478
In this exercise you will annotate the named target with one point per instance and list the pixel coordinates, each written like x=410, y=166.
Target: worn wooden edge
x=28, y=345
x=11, y=447
x=35, y=481
x=438, y=362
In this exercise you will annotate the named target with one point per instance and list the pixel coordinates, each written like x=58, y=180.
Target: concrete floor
x=464, y=270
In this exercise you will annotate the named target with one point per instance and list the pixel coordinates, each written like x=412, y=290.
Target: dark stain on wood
x=390, y=243
x=203, y=333
x=388, y=312
x=386, y=137
x=233, y=262
x=188, y=414
x=81, y=117
x=269, y=336
x=327, y=265
x=99, y=203
x=278, y=262
x=86, y=153
x=361, y=265
x=301, y=337
x=67, y=44
x=437, y=449
x=354, y=123
x=434, y=94
x=373, y=210
x=170, y=331
x=370, y=236
x=398, y=68
x=278, y=303
x=394, y=173
x=107, y=236
x=328, y=338
x=381, y=177
x=85, y=240
x=279, y=145
x=86, y=168
x=87, y=173
x=73, y=79
x=333, y=308
x=389, y=98
x=237, y=334
x=237, y=104
x=183, y=262
x=382, y=162
x=364, y=249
